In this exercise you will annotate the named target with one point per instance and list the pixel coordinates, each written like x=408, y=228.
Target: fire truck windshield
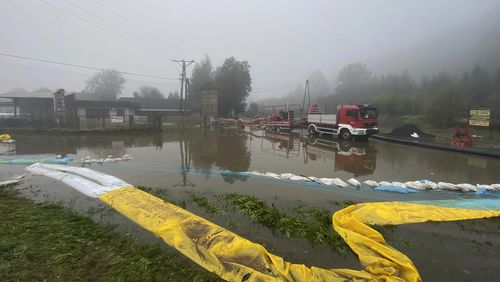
x=368, y=113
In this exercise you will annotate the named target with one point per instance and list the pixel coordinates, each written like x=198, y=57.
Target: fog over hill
x=454, y=51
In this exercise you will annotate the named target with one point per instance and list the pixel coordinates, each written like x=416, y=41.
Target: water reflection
x=358, y=158
x=205, y=152
x=222, y=150
x=282, y=145
x=100, y=145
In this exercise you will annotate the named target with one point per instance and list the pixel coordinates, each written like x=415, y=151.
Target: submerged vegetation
x=48, y=242
x=312, y=224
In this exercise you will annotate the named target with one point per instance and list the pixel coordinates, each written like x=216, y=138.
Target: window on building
x=97, y=112
x=120, y=112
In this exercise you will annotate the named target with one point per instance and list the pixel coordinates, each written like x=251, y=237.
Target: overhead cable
x=86, y=67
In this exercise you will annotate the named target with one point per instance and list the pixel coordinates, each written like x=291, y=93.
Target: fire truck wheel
x=312, y=130
x=345, y=134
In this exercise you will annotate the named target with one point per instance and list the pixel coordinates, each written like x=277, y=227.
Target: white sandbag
x=385, y=183
x=127, y=157
x=9, y=182
x=396, y=184
x=465, y=187
x=313, y=178
x=286, y=176
x=340, y=183
x=272, y=174
x=371, y=183
x=354, y=182
x=427, y=184
x=298, y=178
x=256, y=173
x=96, y=176
x=83, y=185
x=447, y=186
x=485, y=187
x=417, y=185
x=496, y=187
x=326, y=181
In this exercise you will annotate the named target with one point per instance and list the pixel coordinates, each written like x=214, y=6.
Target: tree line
x=441, y=99
x=232, y=80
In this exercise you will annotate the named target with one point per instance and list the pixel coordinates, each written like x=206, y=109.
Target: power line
x=86, y=21
x=139, y=28
x=85, y=67
x=110, y=24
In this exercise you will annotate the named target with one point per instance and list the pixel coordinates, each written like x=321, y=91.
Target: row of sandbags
x=402, y=187
x=107, y=159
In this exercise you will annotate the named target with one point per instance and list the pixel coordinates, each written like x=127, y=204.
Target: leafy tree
x=43, y=89
x=105, y=85
x=149, y=92
x=173, y=95
x=253, y=109
x=201, y=75
x=445, y=101
x=17, y=89
x=496, y=83
x=318, y=85
x=234, y=83
x=397, y=84
x=477, y=86
x=354, y=80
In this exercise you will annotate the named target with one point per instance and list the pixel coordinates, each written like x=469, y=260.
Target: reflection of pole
x=306, y=92
x=185, y=152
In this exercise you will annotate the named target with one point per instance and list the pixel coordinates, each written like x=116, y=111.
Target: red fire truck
x=349, y=121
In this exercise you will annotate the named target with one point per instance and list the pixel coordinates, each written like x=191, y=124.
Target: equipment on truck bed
x=284, y=120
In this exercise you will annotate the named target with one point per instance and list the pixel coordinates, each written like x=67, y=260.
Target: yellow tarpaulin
x=235, y=258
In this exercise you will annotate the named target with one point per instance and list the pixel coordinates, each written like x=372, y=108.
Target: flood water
x=193, y=161
x=160, y=158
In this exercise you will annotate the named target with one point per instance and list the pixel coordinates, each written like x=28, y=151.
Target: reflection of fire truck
x=349, y=121
x=358, y=158
x=285, y=145
x=285, y=120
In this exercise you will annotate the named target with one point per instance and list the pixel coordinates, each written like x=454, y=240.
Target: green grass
x=309, y=223
x=48, y=243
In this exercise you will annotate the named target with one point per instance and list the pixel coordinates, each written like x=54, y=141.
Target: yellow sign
x=479, y=117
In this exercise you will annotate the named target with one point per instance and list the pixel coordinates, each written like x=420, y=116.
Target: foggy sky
x=284, y=41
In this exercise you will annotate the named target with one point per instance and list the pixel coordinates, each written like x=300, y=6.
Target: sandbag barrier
x=235, y=258
x=63, y=160
x=387, y=186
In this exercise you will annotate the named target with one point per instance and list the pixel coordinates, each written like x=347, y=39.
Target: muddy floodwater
x=190, y=168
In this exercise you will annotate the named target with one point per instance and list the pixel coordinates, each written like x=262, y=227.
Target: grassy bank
x=49, y=243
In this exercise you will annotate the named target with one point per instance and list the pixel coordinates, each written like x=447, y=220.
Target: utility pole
x=306, y=93
x=183, y=64
x=187, y=94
